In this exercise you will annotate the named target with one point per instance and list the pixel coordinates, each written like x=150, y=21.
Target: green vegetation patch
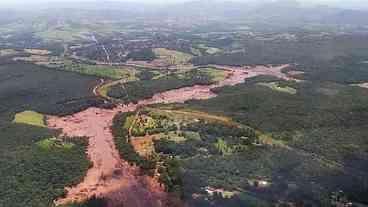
x=35, y=171
x=63, y=33
x=209, y=50
x=214, y=139
x=103, y=71
x=138, y=90
x=120, y=130
x=214, y=74
x=32, y=87
x=321, y=127
x=142, y=124
x=54, y=143
x=30, y=175
x=172, y=56
x=148, y=122
x=275, y=86
x=30, y=118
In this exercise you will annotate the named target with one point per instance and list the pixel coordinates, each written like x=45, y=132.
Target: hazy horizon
x=17, y=2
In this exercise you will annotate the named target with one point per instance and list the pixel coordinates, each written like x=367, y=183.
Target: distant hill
x=268, y=13
x=289, y=12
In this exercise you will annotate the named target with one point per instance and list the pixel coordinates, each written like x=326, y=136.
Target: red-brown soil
x=110, y=176
x=143, y=145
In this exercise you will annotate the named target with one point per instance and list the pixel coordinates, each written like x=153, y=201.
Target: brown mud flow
x=110, y=176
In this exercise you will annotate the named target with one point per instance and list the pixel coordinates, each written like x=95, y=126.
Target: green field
x=111, y=72
x=65, y=33
x=275, y=86
x=215, y=74
x=55, y=143
x=209, y=50
x=30, y=118
x=172, y=56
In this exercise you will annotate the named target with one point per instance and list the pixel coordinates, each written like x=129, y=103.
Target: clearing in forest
x=31, y=118
x=172, y=56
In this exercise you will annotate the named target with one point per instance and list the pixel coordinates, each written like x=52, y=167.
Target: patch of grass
x=37, y=51
x=275, y=86
x=188, y=115
x=142, y=124
x=111, y=72
x=129, y=120
x=64, y=33
x=172, y=56
x=209, y=50
x=54, y=143
x=30, y=118
x=215, y=74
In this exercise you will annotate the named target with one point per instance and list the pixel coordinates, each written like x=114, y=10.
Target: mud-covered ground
x=111, y=177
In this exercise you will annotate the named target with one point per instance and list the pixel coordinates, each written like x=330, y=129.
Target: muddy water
x=113, y=178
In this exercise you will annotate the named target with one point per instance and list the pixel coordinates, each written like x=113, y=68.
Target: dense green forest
x=36, y=167
x=31, y=87
x=305, y=50
x=318, y=129
x=32, y=174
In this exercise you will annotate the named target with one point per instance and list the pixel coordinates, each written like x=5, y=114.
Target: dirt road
x=113, y=178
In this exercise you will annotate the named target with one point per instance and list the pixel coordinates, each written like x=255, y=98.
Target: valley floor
x=113, y=178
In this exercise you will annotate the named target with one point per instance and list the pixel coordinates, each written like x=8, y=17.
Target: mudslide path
x=110, y=176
